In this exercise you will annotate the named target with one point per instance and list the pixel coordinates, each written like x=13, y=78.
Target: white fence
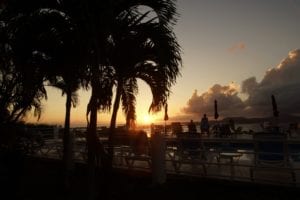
x=273, y=160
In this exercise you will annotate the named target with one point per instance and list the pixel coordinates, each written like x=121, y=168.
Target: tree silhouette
x=101, y=29
x=21, y=90
x=147, y=50
x=48, y=35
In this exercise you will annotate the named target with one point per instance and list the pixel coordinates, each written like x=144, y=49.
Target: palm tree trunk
x=91, y=143
x=95, y=147
x=113, y=123
x=67, y=142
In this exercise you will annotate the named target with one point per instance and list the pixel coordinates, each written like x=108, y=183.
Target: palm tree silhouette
x=143, y=50
x=21, y=83
x=48, y=38
x=91, y=26
x=101, y=32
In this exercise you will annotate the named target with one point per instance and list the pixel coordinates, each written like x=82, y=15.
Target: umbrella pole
x=275, y=113
x=165, y=128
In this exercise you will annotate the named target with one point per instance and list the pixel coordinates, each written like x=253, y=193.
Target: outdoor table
x=231, y=156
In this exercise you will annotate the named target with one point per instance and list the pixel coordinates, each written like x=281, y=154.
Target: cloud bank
x=225, y=95
x=283, y=81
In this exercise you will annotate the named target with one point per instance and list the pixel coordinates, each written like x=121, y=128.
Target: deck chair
x=139, y=149
x=121, y=144
x=33, y=142
x=271, y=155
x=176, y=128
x=227, y=150
x=190, y=150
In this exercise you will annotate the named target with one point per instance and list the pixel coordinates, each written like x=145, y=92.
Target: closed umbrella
x=216, y=110
x=274, y=106
x=275, y=114
x=166, y=113
x=166, y=117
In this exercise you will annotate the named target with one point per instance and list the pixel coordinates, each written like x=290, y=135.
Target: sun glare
x=147, y=119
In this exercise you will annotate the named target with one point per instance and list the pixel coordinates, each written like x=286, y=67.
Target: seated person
x=216, y=129
x=225, y=130
x=204, y=125
x=293, y=129
x=232, y=125
x=192, y=127
x=140, y=143
x=176, y=128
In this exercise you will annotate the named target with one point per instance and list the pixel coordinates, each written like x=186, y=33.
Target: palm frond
x=164, y=9
x=75, y=99
x=129, y=92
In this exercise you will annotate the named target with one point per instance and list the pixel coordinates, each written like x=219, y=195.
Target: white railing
x=241, y=158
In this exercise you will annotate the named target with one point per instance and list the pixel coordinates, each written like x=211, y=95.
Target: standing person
x=204, y=125
x=152, y=129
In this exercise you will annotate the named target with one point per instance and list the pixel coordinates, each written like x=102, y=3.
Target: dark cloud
x=228, y=101
x=283, y=81
x=249, y=85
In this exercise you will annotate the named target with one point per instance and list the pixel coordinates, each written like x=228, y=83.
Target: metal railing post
x=158, y=150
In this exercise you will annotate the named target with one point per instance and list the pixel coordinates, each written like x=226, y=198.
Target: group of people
x=204, y=125
x=225, y=129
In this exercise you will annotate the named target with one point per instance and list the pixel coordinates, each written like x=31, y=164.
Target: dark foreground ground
x=41, y=179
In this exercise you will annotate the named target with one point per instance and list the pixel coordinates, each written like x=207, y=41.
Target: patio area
x=234, y=158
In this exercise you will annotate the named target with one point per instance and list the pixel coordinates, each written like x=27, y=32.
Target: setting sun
x=148, y=119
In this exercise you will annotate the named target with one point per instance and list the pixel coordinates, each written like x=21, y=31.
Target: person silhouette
x=204, y=125
x=231, y=125
x=192, y=127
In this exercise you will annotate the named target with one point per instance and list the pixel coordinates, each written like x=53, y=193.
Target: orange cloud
x=237, y=47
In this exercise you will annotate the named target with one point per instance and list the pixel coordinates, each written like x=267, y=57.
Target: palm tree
x=65, y=72
x=49, y=36
x=68, y=88
x=101, y=29
x=94, y=23
x=21, y=83
x=146, y=51
x=19, y=94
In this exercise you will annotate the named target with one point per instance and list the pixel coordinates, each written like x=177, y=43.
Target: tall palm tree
x=48, y=35
x=20, y=89
x=101, y=29
x=94, y=21
x=144, y=50
x=68, y=88
x=65, y=72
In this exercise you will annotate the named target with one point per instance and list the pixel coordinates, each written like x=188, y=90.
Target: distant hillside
x=281, y=119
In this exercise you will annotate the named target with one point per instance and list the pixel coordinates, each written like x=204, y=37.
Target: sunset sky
x=236, y=51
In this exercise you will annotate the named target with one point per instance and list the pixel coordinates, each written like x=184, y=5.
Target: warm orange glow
x=148, y=119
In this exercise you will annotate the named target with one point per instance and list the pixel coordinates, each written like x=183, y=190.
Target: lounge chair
x=271, y=156
x=190, y=150
x=139, y=149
